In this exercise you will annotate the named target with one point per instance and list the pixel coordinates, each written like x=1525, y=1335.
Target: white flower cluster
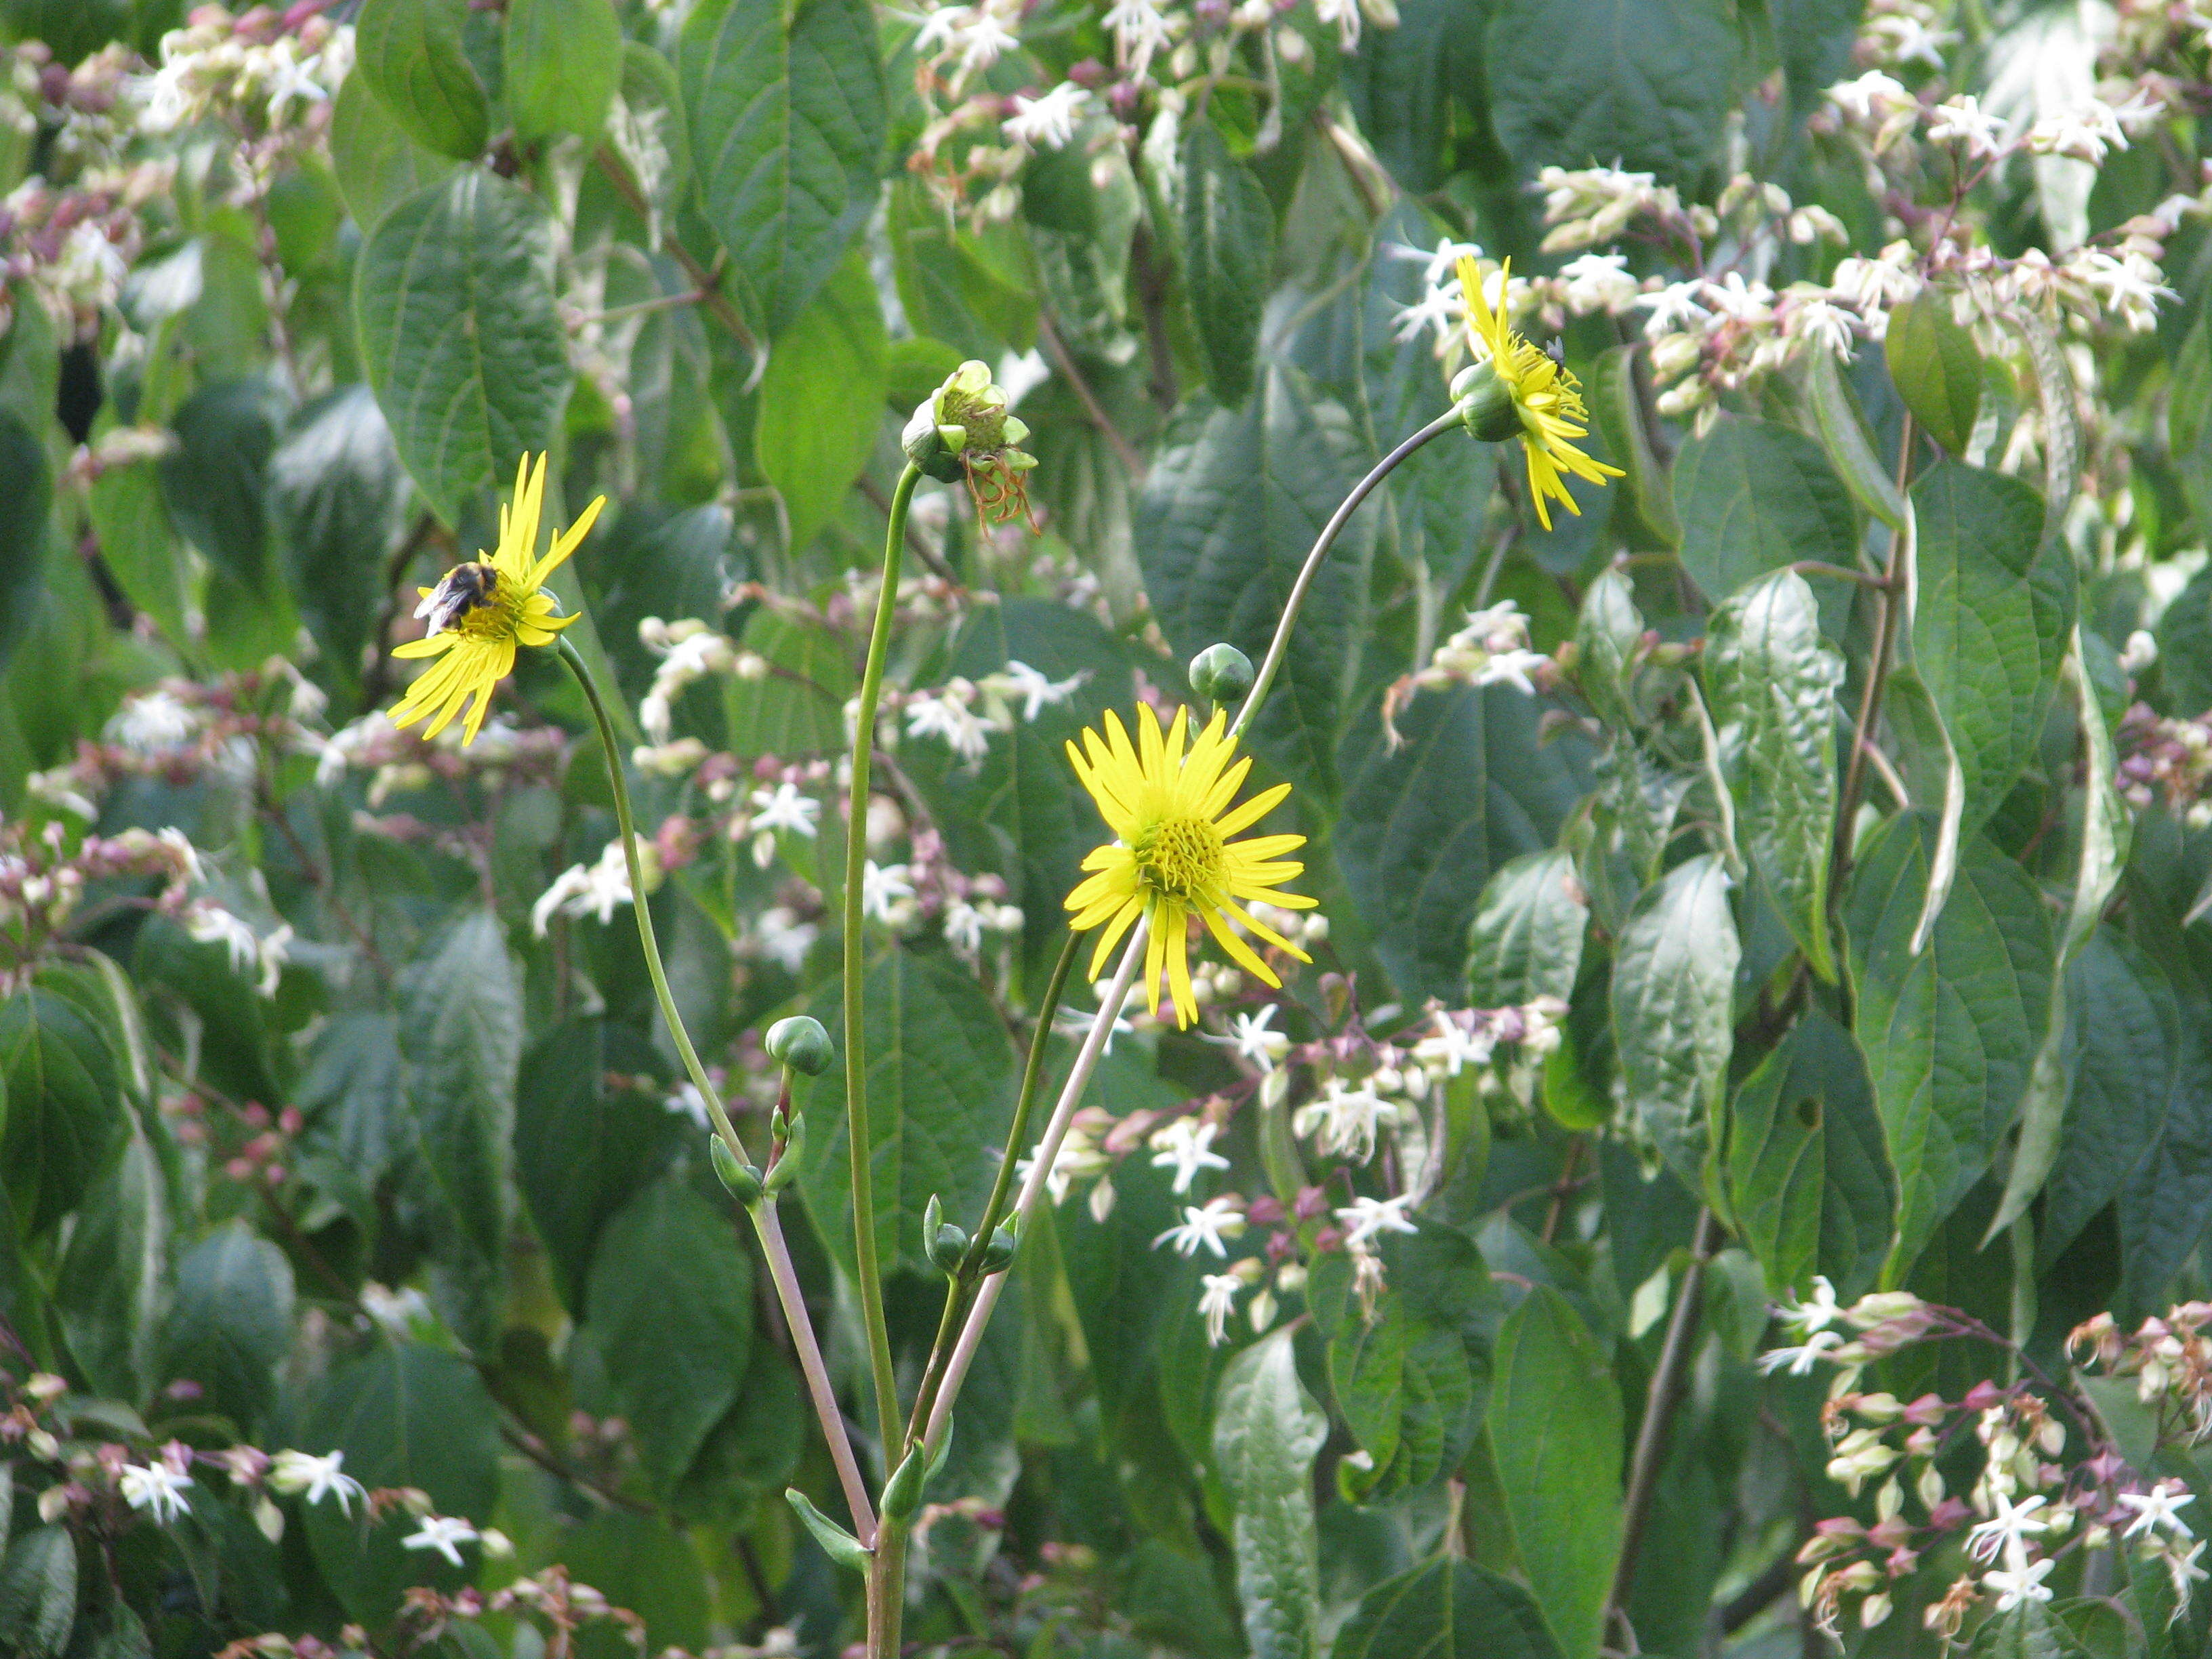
x=595, y=889
x=1492, y=648
x=247, y=69
x=690, y=650
x=964, y=714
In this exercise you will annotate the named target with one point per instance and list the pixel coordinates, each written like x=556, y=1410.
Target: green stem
x=857, y=1137
x=765, y=1225
x=887, y=1590
x=1280, y=644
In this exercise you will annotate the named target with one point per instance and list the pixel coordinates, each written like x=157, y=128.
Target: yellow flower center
x=1180, y=856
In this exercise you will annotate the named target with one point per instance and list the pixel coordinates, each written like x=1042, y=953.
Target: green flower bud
x=743, y=1180
x=801, y=1043
x=786, y=1169
x=944, y=1242
x=962, y=431
x=902, y=1492
x=999, y=1254
x=1221, y=674
x=1485, y=404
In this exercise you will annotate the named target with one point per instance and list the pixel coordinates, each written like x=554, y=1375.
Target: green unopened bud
x=999, y=1254
x=902, y=1492
x=944, y=1242
x=1485, y=404
x=967, y=414
x=801, y=1044
x=1221, y=674
x=742, y=1179
x=786, y=1169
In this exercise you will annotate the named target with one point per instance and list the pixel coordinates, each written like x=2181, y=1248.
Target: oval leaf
x=1673, y=984
x=1267, y=1432
x=409, y=53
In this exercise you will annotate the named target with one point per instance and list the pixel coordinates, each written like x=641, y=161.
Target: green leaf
x=1643, y=506
x=788, y=120
x=26, y=499
x=231, y=1322
x=1990, y=621
x=1935, y=366
x=839, y=1545
x=376, y=164
x=1805, y=1181
x=1949, y=1031
x=1640, y=84
x=215, y=482
x=1423, y=825
x=1232, y=505
x=1228, y=230
x=1400, y=85
x=582, y=1148
x=1608, y=629
x=1560, y=1469
x=563, y=63
x=113, y=1277
x=1526, y=940
x=668, y=1322
x=1751, y=497
x=38, y=1593
x=647, y=1564
x=939, y=1083
x=461, y=1036
x=410, y=54
x=1844, y=435
x=1447, y=1609
x=2163, y=1205
x=405, y=1416
x=1773, y=681
x=821, y=399
x=2184, y=646
x=2028, y=1632
x=1674, y=986
x=1267, y=1432
x=337, y=497
x=2058, y=401
x=64, y=1110
x=645, y=128
x=139, y=547
x=1123, y=1288
x=2124, y=1044
x=800, y=708
x=453, y=294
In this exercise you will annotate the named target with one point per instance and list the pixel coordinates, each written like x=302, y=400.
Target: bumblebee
x=465, y=588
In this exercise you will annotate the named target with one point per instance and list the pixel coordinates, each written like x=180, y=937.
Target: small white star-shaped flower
x=2023, y=1582
x=1207, y=1228
x=445, y=1533
x=315, y=1478
x=2158, y=1507
x=1184, y=1146
x=1365, y=1218
x=157, y=1489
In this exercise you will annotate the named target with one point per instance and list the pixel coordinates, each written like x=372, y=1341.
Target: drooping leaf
x=62, y=1102
x=232, y=1321
x=1526, y=940
x=1842, y=429
x=1560, y=1469
x=939, y=1076
x=1674, y=986
x=1751, y=497
x=1773, y=681
x=563, y=62
x=1990, y=621
x=453, y=294
x=335, y=496
x=409, y=53
x=1231, y=506
x=1228, y=231
x=788, y=115
x=1266, y=1431
x=821, y=399
x=1935, y=366
x=1949, y=1031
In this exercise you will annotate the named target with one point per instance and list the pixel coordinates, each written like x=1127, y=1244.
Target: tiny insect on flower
x=483, y=609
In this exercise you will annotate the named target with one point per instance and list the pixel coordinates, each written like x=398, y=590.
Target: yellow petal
x=429, y=647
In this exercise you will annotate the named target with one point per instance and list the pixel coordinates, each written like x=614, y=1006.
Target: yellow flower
x=1547, y=398
x=480, y=611
x=1172, y=858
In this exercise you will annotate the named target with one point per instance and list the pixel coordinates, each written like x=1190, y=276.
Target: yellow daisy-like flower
x=1547, y=398
x=482, y=610
x=1171, y=858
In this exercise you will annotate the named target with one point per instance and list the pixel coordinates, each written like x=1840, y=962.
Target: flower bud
x=743, y=1180
x=946, y=1243
x=1221, y=674
x=1485, y=404
x=800, y=1042
x=999, y=1254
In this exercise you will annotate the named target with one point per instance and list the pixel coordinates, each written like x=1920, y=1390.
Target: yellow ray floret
x=482, y=610
x=1547, y=398
x=1171, y=857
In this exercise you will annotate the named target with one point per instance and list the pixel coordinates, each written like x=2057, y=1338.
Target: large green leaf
x=2164, y=1203
x=38, y=1593
x=1228, y=246
x=139, y=546
x=405, y=1416
x=1751, y=497
x=583, y=1147
x=1230, y=508
x=1935, y=366
x=113, y=1278
x=453, y=293
x=939, y=1083
x=1641, y=84
x=1447, y=1609
x=563, y=60
x=1673, y=986
x=214, y=484
x=2184, y=646
x=1560, y=1468
x=409, y=53
x=1425, y=824
x=787, y=112
x=462, y=1036
x=1772, y=680
x=1266, y=1431
x=1526, y=939
x=26, y=498
x=1990, y=621
x=62, y=1099
x=231, y=1322
x=821, y=399
x=377, y=163
x=1948, y=1032
x=668, y=1322
x=337, y=496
